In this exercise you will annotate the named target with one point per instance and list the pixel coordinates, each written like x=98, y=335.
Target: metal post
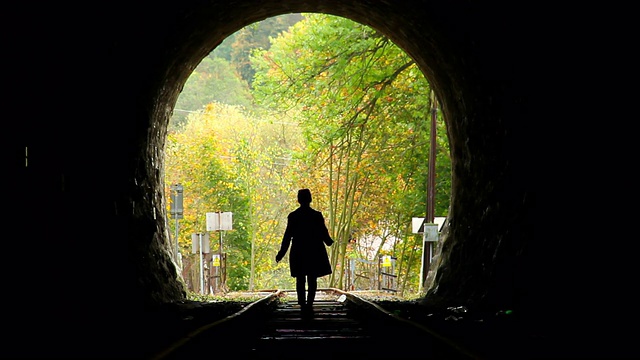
x=431, y=180
x=424, y=267
x=201, y=269
x=176, y=211
x=432, y=165
x=221, y=260
x=253, y=266
x=220, y=229
x=176, y=254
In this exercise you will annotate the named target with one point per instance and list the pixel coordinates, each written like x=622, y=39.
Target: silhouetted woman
x=307, y=234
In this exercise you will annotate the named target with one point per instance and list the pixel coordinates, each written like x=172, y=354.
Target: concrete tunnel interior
x=108, y=257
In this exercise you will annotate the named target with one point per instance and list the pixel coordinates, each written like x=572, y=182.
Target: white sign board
x=195, y=243
x=431, y=232
x=416, y=224
x=219, y=221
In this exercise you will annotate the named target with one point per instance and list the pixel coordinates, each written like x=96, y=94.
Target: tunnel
x=92, y=91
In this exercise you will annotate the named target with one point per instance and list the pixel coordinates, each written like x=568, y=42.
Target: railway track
x=342, y=326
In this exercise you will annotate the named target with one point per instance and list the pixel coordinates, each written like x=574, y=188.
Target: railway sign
x=219, y=221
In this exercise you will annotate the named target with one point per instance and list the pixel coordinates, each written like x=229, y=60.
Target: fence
x=372, y=275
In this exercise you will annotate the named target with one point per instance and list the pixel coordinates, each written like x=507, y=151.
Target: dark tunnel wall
x=95, y=89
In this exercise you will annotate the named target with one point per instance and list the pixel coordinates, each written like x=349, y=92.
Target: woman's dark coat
x=307, y=233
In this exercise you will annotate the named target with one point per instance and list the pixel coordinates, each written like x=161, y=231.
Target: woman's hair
x=304, y=196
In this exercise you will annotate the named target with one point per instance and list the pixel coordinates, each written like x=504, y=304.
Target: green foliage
x=363, y=107
x=231, y=161
x=244, y=297
x=214, y=80
x=336, y=107
x=256, y=36
x=225, y=75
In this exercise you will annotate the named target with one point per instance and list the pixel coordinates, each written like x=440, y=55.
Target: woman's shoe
x=307, y=311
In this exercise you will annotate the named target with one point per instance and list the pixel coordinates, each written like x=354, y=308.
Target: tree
x=363, y=107
x=346, y=114
x=249, y=163
x=214, y=80
x=194, y=157
x=257, y=36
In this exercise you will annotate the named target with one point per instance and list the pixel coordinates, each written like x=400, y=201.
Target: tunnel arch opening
x=201, y=41
x=473, y=103
x=427, y=117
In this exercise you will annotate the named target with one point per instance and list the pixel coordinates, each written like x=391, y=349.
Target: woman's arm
x=286, y=241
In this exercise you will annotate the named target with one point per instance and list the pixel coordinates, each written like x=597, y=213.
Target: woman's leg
x=313, y=286
x=300, y=283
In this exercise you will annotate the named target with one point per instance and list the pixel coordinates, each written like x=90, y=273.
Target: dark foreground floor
x=489, y=336
x=500, y=335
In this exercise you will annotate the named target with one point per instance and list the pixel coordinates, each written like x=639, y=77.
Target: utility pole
x=176, y=211
x=431, y=182
x=431, y=186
